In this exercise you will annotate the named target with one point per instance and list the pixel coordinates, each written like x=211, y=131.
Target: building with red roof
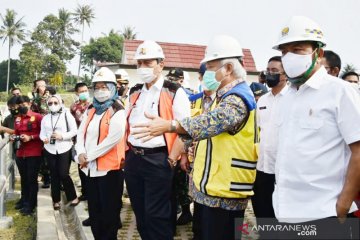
x=177, y=55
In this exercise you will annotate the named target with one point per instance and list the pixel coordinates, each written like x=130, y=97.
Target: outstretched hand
x=156, y=126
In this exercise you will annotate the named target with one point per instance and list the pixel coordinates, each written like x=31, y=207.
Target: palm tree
x=128, y=33
x=66, y=25
x=83, y=14
x=349, y=68
x=13, y=31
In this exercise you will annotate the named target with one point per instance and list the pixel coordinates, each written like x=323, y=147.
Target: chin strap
x=303, y=78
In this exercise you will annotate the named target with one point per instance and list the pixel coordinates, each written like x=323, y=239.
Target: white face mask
x=101, y=95
x=356, y=86
x=54, y=108
x=295, y=64
x=146, y=74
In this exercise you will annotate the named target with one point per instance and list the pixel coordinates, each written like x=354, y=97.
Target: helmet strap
x=303, y=78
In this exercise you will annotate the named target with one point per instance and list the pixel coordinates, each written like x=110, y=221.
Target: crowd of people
x=289, y=143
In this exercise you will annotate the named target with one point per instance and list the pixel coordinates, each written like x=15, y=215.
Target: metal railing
x=7, y=179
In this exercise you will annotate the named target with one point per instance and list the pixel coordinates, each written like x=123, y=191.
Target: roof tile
x=182, y=55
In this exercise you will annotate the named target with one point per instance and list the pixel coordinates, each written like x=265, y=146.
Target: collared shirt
x=266, y=114
x=228, y=115
x=317, y=123
x=57, y=123
x=148, y=101
x=206, y=104
x=29, y=124
x=90, y=145
x=78, y=109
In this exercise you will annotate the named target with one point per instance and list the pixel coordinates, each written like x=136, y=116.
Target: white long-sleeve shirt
x=90, y=146
x=57, y=123
x=148, y=102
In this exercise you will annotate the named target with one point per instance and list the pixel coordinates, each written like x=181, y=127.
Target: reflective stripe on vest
x=197, y=107
x=225, y=165
x=113, y=159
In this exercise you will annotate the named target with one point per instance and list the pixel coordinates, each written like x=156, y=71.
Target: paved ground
x=129, y=231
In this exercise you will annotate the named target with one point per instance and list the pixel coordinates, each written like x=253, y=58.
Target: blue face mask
x=84, y=96
x=210, y=81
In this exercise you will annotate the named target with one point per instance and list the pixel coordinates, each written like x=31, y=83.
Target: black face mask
x=121, y=91
x=272, y=80
x=14, y=112
x=23, y=110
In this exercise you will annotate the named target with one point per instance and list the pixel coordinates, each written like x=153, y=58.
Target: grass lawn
x=24, y=227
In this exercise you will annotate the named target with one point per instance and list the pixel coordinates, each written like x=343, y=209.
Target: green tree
x=54, y=36
x=53, y=65
x=31, y=62
x=348, y=68
x=13, y=31
x=83, y=14
x=128, y=33
x=14, y=74
x=66, y=31
x=50, y=47
x=103, y=49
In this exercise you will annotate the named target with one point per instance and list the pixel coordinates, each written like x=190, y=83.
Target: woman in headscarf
x=100, y=151
x=58, y=128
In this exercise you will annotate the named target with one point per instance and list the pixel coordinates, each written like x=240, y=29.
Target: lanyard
x=52, y=126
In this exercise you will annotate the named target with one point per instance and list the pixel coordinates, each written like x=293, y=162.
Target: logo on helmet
x=142, y=51
x=285, y=31
x=317, y=32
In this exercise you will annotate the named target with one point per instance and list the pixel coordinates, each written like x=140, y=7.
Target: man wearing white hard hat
x=122, y=80
x=318, y=161
x=148, y=170
x=225, y=161
x=100, y=151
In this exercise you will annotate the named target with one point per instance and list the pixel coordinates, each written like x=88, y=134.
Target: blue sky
x=255, y=23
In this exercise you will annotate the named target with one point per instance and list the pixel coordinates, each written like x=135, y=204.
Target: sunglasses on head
x=51, y=103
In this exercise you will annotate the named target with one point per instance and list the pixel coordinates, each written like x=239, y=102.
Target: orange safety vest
x=113, y=159
x=166, y=100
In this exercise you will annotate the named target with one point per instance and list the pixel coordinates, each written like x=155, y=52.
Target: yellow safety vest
x=225, y=165
x=197, y=107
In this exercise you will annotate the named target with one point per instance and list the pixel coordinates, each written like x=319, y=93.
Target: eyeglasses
x=51, y=103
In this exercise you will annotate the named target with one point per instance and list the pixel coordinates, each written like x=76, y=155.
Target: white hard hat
x=222, y=46
x=121, y=72
x=104, y=74
x=299, y=29
x=149, y=50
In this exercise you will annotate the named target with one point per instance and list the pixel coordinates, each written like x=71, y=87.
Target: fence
x=7, y=179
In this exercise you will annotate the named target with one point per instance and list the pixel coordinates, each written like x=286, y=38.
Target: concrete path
x=50, y=226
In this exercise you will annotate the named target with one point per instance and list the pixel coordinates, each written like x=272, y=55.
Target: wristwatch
x=173, y=126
